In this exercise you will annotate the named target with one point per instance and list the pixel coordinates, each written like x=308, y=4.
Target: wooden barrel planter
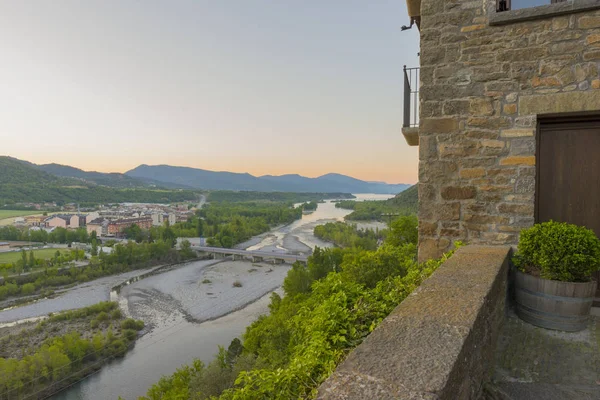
x=563, y=306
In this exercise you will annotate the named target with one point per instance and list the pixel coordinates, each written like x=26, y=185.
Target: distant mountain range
x=15, y=172
x=204, y=179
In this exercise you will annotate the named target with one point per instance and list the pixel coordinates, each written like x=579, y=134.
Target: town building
x=91, y=216
x=98, y=225
x=116, y=227
x=58, y=221
x=159, y=218
x=77, y=221
x=36, y=220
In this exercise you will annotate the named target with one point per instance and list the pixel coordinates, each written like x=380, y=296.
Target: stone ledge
x=540, y=12
x=439, y=342
x=411, y=135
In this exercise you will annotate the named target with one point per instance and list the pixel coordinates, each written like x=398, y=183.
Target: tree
x=132, y=232
x=94, y=251
x=168, y=236
x=403, y=230
x=31, y=259
x=233, y=352
x=297, y=280
x=200, y=227
x=24, y=258
x=186, y=249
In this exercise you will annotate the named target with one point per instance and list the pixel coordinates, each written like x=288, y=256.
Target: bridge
x=254, y=255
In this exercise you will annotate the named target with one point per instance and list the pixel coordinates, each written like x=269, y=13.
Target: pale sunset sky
x=258, y=86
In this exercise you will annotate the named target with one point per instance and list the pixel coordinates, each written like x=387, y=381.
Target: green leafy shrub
x=558, y=251
x=116, y=314
x=28, y=289
x=131, y=323
x=103, y=316
x=130, y=334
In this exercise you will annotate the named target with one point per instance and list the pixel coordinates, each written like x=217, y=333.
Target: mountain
x=25, y=182
x=99, y=178
x=217, y=180
x=17, y=172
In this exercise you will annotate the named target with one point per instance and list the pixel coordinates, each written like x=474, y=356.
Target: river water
x=185, y=317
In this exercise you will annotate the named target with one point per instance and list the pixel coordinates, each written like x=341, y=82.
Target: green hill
x=13, y=171
x=99, y=178
x=404, y=203
x=407, y=200
x=24, y=182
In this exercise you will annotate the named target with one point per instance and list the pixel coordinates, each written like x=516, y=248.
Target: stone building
x=509, y=119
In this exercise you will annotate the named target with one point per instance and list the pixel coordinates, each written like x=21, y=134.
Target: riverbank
x=201, y=291
x=38, y=359
x=171, y=302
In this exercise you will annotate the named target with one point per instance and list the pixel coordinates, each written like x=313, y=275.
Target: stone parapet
x=439, y=342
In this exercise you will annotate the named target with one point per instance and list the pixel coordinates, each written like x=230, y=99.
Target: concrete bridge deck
x=253, y=253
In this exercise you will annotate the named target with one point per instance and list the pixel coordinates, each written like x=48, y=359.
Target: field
x=13, y=256
x=17, y=213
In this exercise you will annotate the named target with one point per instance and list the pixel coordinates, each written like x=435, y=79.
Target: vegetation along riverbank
x=329, y=307
x=122, y=258
x=39, y=359
x=404, y=203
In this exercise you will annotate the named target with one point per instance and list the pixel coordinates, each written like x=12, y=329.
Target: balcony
x=410, y=124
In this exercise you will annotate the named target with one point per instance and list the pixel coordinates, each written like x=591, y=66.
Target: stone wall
x=483, y=89
x=439, y=343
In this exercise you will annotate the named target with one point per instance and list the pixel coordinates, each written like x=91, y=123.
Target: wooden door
x=568, y=171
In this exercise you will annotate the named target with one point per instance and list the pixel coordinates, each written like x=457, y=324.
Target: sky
x=258, y=86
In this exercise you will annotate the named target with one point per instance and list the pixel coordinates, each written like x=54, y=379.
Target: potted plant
x=553, y=286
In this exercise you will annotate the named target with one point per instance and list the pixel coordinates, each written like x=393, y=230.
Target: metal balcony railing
x=411, y=97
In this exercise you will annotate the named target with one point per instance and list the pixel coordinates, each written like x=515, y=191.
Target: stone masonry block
x=591, y=39
x=593, y=55
x=458, y=192
x=481, y=106
x=521, y=209
x=472, y=28
x=587, y=22
x=439, y=125
x=559, y=102
x=518, y=160
x=511, y=133
x=509, y=109
x=468, y=173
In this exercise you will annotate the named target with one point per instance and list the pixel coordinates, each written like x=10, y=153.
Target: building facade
x=58, y=221
x=77, y=221
x=509, y=128
x=98, y=225
x=116, y=227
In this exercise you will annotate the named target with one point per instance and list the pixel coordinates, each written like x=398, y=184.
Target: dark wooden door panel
x=568, y=172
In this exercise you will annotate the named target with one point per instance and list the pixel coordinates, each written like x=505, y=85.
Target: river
x=185, y=317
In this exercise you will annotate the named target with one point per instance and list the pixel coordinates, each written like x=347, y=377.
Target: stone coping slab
x=439, y=342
